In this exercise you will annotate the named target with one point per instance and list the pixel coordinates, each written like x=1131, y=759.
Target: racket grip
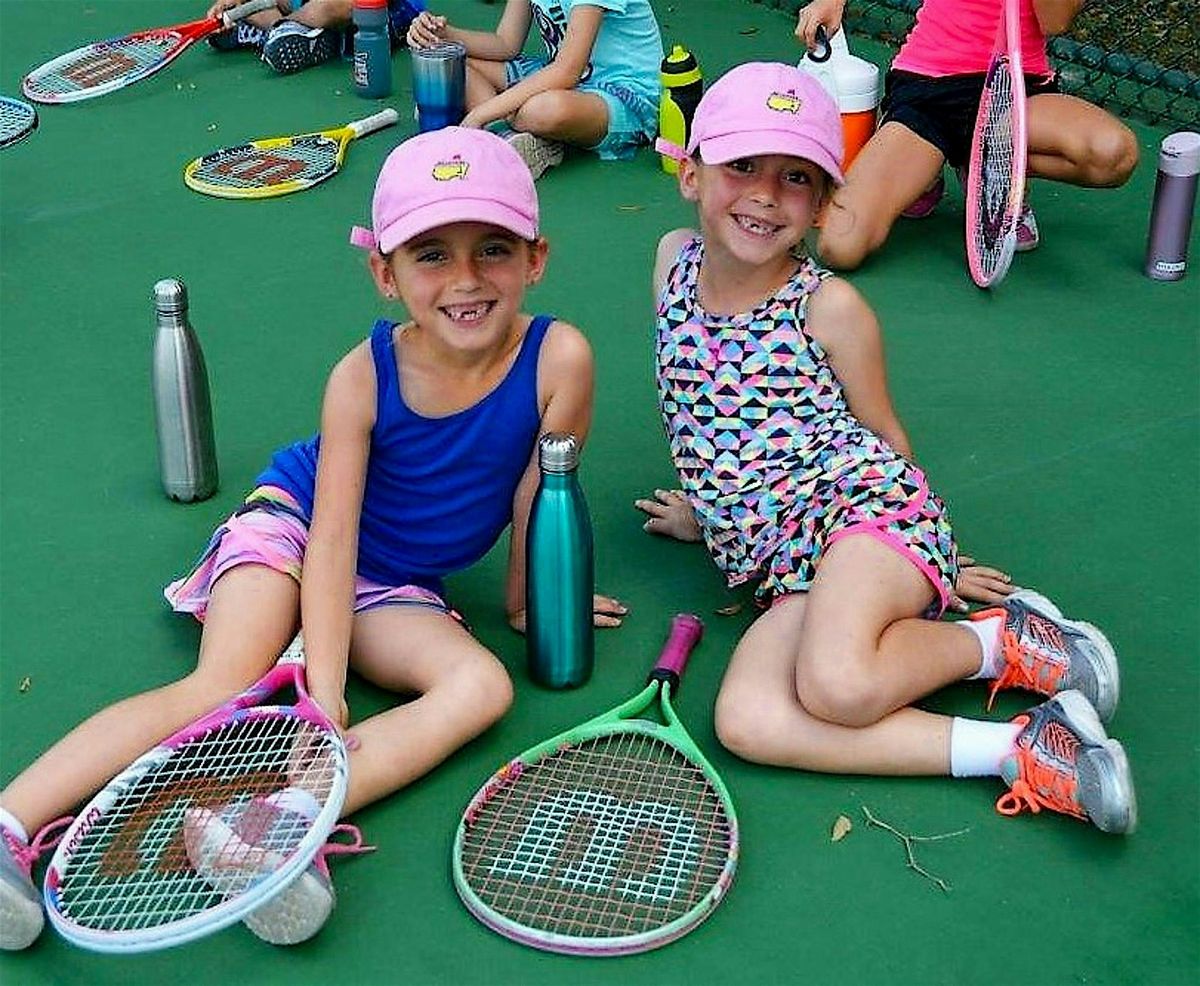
x=686, y=631
x=234, y=14
x=369, y=124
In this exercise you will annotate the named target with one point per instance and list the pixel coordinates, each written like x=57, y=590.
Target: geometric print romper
x=772, y=461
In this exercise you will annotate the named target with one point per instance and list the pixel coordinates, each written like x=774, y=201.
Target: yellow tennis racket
x=279, y=165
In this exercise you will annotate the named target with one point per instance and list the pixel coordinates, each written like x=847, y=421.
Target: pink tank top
x=955, y=37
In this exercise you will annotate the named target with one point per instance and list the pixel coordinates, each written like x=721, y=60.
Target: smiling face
x=754, y=210
x=464, y=282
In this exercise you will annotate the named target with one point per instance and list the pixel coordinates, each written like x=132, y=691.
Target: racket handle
x=686, y=631
x=234, y=14
x=369, y=124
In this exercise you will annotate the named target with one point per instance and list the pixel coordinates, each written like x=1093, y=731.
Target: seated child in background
x=597, y=87
x=426, y=454
x=299, y=34
x=773, y=393
x=928, y=115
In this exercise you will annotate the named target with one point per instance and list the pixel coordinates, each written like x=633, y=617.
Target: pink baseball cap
x=452, y=175
x=766, y=108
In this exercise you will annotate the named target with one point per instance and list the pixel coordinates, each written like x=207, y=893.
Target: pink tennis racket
x=190, y=837
x=996, y=174
x=104, y=66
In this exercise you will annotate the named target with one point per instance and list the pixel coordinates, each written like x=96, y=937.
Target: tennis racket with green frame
x=616, y=836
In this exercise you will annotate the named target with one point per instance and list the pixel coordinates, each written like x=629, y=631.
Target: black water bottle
x=682, y=87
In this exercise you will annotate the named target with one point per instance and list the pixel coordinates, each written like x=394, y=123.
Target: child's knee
x=843, y=248
x=545, y=112
x=484, y=687
x=839, y=689
x=1112, y=156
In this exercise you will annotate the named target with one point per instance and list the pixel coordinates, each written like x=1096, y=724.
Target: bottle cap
x=1179, y=154
x=558, y=452
x=371, y=4
x=679, y=68
x=170, y=296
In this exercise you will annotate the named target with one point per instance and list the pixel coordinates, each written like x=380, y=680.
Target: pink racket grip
x=686, y=631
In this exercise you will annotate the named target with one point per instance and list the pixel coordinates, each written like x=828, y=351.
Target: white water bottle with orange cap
x=853, y=82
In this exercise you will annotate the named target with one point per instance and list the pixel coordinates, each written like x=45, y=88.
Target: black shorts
x=942, y=109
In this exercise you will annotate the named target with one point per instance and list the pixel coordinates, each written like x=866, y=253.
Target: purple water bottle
x=1174, y=201
x=440, y=84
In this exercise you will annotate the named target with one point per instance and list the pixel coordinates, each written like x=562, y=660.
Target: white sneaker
x=21, y=917
x=538, y=153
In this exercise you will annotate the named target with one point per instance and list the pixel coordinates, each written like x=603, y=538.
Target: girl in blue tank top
x=425, y=455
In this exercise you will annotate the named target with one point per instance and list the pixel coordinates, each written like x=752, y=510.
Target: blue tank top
x=439, y=491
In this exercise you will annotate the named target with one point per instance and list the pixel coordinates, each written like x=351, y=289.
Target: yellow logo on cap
x=449, y=170
x=784, y=102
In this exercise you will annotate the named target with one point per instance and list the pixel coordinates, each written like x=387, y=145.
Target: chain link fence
x=1136, y=58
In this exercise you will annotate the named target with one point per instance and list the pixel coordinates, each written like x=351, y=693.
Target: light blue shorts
x=632, y=118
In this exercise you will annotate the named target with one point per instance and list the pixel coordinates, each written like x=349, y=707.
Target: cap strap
x=665, y=147
x=363, y=238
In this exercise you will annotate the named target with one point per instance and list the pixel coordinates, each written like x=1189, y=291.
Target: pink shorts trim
x=274, y=534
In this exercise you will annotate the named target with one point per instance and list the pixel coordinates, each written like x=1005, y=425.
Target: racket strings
x=102, y=63
x=15, y=118
x=614, y=837
x=997, y=197
x=305, y=159
x=132, y=867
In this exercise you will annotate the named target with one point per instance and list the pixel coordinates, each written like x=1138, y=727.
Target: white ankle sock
x=9, y=821
x=298, y=800
x=978, y=747
x=988, y=632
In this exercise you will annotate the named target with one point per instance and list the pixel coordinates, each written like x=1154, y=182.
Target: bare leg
x=578, y=118
x=821, y=682
x=893, y=169
x=323, y=13
x=461, y=690
x=1071, y=140
x=484, y=80
x=251, y=617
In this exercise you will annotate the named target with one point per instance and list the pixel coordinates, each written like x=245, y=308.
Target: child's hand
x=670, y=515
x=426, y=30
x=827, y=12
x=979, y=584
x=606, y=612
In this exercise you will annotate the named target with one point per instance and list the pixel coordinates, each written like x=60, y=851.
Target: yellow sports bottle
x=682, y=87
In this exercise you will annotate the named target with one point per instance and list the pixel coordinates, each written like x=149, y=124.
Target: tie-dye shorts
x=269, y=529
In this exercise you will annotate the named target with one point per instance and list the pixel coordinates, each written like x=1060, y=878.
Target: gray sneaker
x=291, y=46
x=21, y=916
x=1047, y=653
x=538, y=153
x=232, y=848
x=1064, y=761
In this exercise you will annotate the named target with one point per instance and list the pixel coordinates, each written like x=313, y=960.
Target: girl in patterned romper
x=798, y=475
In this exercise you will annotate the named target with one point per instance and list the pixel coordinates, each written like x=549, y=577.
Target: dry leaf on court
x=631, y=208
x=26, y=684
x=841, y=828
x=730, y=610
x=748, y=31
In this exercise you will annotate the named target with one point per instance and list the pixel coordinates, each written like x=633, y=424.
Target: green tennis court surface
x=1058, y=416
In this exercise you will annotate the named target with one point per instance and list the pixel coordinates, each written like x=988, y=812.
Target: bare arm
x=562, y=73
x=500, y=45
x=843, y=323
x=327, y=586
x=813, y=15
x=668, y=249
x=1055, y=16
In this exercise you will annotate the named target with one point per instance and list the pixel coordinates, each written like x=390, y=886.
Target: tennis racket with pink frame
x=134, y=873
x=996, y=172
x=614, y=837
x=104, y=66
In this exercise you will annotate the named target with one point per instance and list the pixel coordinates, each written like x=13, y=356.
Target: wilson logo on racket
x=102, y=67
x=586, y=840
x=784, y=102
x=123, y=855
x=254, y=167
x=450, y=170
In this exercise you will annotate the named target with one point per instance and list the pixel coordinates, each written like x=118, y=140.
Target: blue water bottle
x=372, y=66
x=439, y=75
x=558, y=570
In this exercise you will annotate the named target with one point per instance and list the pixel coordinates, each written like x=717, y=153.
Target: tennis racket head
x=612, y=838
x=996, y=170
x=193, y=835
x=278, y=165
x=17, y=120
x=104, y=66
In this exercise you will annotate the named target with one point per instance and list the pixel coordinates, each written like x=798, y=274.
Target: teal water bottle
x=372, y=71
x=558, y=570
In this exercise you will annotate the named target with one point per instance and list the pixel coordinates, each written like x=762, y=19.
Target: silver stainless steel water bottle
x=559, y=574
x=187, y=455
x=1174, y=202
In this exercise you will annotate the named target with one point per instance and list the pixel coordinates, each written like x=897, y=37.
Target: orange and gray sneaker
x=1044, y=652
x=1063, y=760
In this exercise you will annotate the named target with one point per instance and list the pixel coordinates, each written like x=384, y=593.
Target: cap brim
x=730, y=147
x=457, y=210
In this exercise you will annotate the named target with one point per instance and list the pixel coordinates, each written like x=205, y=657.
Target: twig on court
x=908, y=841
